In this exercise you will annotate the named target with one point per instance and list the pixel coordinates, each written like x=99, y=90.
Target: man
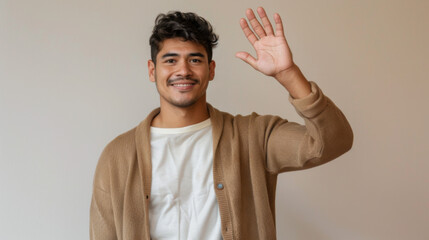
x=189, y=171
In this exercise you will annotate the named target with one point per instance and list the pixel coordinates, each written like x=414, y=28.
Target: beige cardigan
x=249, y=152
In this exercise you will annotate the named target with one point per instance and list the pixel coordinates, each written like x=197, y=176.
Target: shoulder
x=113, y=157
x=253, y=121
x=120, y=144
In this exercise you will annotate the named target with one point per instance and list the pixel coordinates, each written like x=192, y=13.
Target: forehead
x=180, y=47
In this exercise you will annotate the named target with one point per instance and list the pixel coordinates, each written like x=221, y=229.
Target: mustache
x=173, y=80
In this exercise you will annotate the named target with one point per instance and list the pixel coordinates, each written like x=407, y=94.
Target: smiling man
x=182, y=71
x=190, y=171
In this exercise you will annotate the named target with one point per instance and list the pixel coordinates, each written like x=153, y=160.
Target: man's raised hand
x=272, y=51
x=273, y=55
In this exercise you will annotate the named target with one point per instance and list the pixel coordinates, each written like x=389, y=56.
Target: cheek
x=163, y=73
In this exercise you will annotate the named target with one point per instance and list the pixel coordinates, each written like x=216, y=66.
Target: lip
x=183, y=85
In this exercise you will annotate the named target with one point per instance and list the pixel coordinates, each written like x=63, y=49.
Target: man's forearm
x=294, y=82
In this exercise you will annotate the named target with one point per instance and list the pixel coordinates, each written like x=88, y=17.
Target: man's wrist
x=294, y=82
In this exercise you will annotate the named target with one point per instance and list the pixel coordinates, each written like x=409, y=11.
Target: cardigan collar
x=142, y=138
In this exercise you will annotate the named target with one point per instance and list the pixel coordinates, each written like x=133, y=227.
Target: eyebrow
x=196, y=54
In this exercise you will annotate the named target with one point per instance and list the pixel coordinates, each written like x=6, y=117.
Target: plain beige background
x=73, y=76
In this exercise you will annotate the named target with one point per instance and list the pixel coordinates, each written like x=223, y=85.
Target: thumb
x=249, y=59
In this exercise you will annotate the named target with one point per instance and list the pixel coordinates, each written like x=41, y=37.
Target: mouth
x=182, y=85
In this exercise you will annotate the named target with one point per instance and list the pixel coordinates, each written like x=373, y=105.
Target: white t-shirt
x=183, y=202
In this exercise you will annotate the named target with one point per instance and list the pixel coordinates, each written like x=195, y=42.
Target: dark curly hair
x=188, y=26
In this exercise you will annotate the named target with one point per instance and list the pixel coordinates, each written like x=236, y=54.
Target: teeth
x=182, y=85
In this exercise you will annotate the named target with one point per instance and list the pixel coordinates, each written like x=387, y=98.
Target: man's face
x=182, y=72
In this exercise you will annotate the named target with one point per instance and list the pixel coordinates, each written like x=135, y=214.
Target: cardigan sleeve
x=102, y=224
x=325, y=135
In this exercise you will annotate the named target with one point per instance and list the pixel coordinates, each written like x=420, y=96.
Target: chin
x=183, y=104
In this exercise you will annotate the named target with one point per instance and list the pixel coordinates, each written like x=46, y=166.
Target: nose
x=183, y=69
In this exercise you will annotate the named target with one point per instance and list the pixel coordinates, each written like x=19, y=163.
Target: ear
x=151, y=70
x=212, y=66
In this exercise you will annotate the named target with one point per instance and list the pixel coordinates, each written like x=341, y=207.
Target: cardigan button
x=220, y=186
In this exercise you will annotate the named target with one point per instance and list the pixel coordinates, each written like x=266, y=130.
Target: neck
x=176, y=117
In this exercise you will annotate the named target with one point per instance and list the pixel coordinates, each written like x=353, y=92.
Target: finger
x=267, y=24
x=247, y=31
x=279, y=25
x=247, y=58
x=257, y=27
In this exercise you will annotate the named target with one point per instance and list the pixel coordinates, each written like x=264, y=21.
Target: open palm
x=272, y=51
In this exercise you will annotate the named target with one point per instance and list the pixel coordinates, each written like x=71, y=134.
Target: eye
x=170, y=60
x=195, y=60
